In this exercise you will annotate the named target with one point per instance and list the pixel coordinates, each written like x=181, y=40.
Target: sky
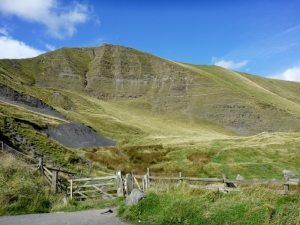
x=260, y=37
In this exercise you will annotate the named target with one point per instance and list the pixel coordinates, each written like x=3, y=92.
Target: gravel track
x=90, y=217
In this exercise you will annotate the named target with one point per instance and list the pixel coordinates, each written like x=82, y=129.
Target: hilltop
x=146, y=105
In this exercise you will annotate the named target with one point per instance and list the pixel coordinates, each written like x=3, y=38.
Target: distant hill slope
x=242, y=103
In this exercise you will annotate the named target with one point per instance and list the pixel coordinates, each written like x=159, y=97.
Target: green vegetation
x=185, y=205
x=203, y=121
x=24, y=191
x=21, y=185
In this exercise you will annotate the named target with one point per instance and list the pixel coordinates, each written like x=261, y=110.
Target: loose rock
x=135, y=197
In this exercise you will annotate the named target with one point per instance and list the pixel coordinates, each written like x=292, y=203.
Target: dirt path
x=90, y=217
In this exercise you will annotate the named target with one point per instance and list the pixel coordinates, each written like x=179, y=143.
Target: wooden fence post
x=2, y=146
x=129, y=184
x=41, y=165
x=180, y=176
x=148, y=174
x=286, y=186
x=54, y=181
x=71, y=189
x=145, y=182
x=120, y=186
x=224, y=178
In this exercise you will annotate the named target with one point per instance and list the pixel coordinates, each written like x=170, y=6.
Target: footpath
x=90, y=217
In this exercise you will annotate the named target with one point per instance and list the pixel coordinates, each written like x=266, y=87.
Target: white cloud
x=60, y=21
x=14, y=49
x=292, y=74
x=230, y=64
x=50, y=47
x=3, y=31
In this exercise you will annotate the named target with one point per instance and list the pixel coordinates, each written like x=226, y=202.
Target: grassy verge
x=185, y=205
x=24, y=191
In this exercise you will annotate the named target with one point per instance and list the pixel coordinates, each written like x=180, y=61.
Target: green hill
x=170, y=116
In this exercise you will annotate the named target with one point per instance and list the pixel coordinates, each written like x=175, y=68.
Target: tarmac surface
x=90, y=217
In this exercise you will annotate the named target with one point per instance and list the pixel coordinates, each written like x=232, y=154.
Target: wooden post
x=71, y=189
x=148, y=174
x=120, y=187
x=286, y=186
x=180, y=176
x=2, y=146
x=224, y=184
x=129, y=184
x=41, y=165
x=145, y=182
x=54, y=181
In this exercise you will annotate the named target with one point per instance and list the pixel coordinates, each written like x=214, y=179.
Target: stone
x=288, y=173
x=135, y=197
x=18, y=138
x=239, y=177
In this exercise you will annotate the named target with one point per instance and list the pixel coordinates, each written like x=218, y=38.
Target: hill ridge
x=116, y=73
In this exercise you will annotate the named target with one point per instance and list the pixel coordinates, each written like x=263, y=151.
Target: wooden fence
x=116, y=185
x=225, y=184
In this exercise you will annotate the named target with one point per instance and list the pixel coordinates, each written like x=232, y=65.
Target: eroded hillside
x=241, y=103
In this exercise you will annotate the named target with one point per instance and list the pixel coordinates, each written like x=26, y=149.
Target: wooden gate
x=98, y=187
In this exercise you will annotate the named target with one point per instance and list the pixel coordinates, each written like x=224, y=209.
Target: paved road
x=90, y=217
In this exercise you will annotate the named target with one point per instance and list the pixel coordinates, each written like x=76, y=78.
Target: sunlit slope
x=134, y=80
x=285, y=89
x=138, y=121
x=245, y=102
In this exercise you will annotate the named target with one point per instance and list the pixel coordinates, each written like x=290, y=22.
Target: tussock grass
x=21, y=190
x=184, y=205
x=128, y=158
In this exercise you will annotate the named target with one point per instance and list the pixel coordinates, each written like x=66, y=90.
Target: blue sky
x=260, y=37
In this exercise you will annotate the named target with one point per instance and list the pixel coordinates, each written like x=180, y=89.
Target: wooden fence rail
x=117, y=185
x=228, y=184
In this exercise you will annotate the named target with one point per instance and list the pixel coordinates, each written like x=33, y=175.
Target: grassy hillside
x=173, y=117
x=196, y=113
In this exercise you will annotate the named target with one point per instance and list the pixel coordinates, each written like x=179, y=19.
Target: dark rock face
x=77, y=135
x=135, y=197
x=37, y=105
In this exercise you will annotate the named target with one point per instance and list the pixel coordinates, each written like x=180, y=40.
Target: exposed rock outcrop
x=77, y=135
x=34, y=104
